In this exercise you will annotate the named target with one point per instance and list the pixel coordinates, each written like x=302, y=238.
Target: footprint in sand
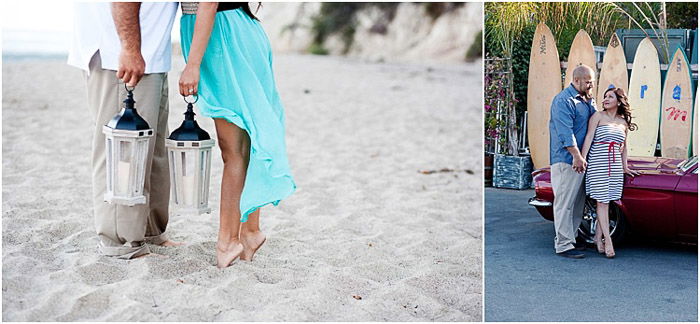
x=89, y=306
x=269, y=277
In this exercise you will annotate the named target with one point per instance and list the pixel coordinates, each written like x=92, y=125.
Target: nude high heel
x=600, y=246
x=611, y=252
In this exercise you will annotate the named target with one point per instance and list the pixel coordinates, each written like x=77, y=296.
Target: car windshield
x=689, y=163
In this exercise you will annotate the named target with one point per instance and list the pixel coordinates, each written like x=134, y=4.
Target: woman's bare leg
x=598, y=237
x=604, y=226
x=251, y=236
x=235, y=152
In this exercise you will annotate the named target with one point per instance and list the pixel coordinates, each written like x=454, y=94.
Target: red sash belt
x=611, y=151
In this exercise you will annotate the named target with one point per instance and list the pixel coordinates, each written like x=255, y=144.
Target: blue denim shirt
x=568, y=123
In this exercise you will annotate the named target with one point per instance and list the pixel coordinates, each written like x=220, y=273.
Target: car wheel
x=589, y=224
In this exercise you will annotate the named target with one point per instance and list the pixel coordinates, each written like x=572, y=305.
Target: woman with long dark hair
x=229, y=66
x=605, y=148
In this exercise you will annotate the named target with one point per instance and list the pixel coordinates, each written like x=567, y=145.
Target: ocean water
x=28, y=44
x=24, y=44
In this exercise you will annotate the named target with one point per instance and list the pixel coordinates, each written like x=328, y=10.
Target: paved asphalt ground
x=526, y=281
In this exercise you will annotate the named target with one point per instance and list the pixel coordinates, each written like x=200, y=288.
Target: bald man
x=568, y=123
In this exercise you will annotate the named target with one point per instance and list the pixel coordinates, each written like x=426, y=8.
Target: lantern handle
x=196, y=98
x=127, y=88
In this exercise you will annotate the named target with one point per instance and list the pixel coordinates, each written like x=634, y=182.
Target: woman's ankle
x=248, y=232
x=226, y=242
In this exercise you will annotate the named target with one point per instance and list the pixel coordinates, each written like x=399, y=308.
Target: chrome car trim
x=538, y=203
x=688, y=163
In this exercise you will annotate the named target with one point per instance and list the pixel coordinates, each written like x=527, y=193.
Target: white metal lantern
x=189, y=153
x=126, y=140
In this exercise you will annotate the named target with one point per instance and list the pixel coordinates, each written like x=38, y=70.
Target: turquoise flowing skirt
x=237, y=84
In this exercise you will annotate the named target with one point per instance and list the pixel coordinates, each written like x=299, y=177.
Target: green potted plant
x=510, y=170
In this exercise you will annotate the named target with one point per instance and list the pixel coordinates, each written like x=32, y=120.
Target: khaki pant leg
x=567, y=185
x=579, y=204
x=120, y=229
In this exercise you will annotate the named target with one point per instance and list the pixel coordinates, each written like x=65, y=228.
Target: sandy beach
x=372, y=234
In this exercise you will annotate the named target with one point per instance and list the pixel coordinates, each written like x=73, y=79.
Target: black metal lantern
x=126, y=139
x=189, y=153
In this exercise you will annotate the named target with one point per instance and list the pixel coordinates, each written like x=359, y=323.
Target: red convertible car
x=662, y=202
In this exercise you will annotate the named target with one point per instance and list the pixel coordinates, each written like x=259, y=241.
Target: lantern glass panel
x=202, y=165
x=124, y=167
x=110, y=165
x=142, y=153
x=188, y=177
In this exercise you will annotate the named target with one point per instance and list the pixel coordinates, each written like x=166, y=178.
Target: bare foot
x=252, y=241
x=226, y=253
x=169, y=243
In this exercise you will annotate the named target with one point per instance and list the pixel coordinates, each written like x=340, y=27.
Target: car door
x=648, y=203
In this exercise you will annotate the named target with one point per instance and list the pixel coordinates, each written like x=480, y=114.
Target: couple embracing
x=588, y=157
x=229, y=66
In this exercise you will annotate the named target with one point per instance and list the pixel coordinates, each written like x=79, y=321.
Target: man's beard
x=588, y=94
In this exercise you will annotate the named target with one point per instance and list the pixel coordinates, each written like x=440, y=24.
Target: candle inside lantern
x=188, y=182
x=123, y=169
x=188, y=190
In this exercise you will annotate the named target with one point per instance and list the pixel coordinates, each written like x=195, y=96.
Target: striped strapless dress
x=604, y=174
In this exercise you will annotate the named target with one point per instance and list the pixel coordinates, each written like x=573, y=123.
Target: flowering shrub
x=499, y=102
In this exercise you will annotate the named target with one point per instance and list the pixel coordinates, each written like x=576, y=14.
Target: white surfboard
x=613, y=73
x=695, y=124
x=677, y=108
x=581, y=52
x=645, y=100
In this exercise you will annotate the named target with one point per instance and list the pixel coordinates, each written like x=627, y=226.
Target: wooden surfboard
x=613, y=73
x=677, y=108
x=645, y=100
x=581, y=52
x=544, y=82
